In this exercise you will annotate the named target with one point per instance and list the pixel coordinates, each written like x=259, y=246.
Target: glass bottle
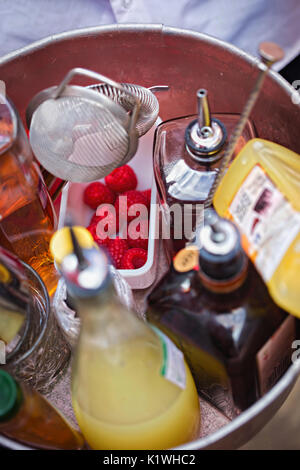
x=236, y=340
x=27, y=216
x=32, y=347
x=131, y=388
x=187, y=153
x=14, y=301
x=27, y=417
x=62, y=304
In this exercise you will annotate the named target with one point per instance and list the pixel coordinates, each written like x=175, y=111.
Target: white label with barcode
x=173, y=366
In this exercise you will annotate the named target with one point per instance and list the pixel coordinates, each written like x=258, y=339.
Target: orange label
x=186, y=259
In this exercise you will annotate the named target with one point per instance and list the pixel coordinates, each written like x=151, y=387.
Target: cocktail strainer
x=79, y=135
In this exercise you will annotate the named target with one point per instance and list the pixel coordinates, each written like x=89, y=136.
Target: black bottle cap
x=221, y=256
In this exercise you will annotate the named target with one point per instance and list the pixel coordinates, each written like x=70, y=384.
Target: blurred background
x=240, y=22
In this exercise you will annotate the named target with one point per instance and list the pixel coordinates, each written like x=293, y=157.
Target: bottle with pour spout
x=187, y=154
x=236, y=340
x=131, y=388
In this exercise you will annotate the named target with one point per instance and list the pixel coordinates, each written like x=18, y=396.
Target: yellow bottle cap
x=61, y=243
x=5, y=275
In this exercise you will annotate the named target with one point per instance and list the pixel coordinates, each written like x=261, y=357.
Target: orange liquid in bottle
x=27, y=217
x=31, y=420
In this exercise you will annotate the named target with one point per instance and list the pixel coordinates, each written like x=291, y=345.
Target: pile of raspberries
x=126, y=252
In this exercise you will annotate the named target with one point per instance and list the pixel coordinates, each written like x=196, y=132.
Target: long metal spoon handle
x=269, y=54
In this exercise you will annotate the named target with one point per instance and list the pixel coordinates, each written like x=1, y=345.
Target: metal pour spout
x=204, y=119
x=205, y=136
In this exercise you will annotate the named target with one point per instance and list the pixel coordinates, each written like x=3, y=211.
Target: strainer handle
x=97, y=76
x=90, y=74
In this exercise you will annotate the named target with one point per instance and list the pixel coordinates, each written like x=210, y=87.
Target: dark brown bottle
x=235, y=339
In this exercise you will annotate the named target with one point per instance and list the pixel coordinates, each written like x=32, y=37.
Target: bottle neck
x=103, y=315
x=205, y=144
x=205, y=163
x=96, y=303
x=224, y=285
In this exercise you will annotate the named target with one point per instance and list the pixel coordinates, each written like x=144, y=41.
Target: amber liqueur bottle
x=236, y=340
x=27, y=417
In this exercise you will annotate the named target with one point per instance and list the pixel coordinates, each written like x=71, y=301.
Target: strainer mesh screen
x=77, y=139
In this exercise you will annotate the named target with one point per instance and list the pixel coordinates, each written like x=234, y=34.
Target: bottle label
x=173, y=366
x=274, y=357
x=186, y=259
x=268, y=222
x=185, y=184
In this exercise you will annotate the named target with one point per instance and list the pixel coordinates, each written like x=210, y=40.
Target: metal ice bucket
x=184, y=60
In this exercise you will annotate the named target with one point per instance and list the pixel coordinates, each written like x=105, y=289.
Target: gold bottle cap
x=61, y=243
x=186, y=259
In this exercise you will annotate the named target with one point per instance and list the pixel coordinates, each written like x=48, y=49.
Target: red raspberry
x=92, y=229
x=134, y=258
x=121, y=179
x=107, y=212
x=111, y=224
x=122, y=206
x=147, y=196
x=100, y=241
x=97, y=193
x=141, y=229
x=95, y=219
x=116, y=248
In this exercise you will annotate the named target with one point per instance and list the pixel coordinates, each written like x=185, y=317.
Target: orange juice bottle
x=131, y=387
x=260, y=193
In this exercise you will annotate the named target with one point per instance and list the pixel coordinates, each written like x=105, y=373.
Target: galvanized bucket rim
x=143, y=27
